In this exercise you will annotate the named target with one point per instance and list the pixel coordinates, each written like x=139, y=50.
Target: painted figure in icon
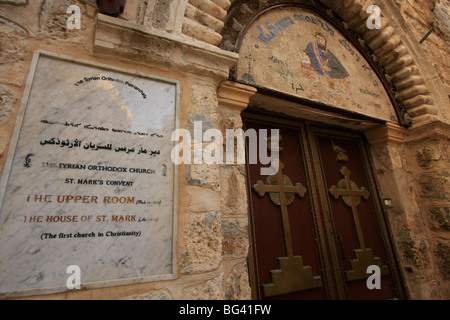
x=319, y=59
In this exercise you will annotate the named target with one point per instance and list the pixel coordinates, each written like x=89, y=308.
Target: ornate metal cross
x=351, y=194
x=292, y=275
x=282, y=192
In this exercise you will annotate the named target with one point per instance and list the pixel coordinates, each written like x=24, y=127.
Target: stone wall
x=420, y=17
x=429, y=160
x=422, y=170
x=412, y=168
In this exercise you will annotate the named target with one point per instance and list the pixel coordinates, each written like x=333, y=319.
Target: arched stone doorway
x=306, y=70
x=392, y=146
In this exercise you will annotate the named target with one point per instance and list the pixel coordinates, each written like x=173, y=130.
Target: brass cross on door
x=352, y=195
x=292, y=275
x=348, y=190
x=282, y=193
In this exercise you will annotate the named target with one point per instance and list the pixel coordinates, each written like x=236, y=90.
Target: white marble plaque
x=89, y=179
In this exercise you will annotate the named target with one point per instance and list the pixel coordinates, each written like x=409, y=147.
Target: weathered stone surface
x=389, y=158
x=161, y=13
x=442, y=18
x=203, y=199
x=205, y=121
x=153, y=295
x=203, y=243
x=204, y=111
x=7, y=102
x=13, y=44
x=209, y=290
x=426, y=157
x=53, y=19
x=237, y=284
x=209, y=7
x=235, y=237
x=200, y=32
x=234, y=192
x=167, y=51
x=3, y=143
x=204, y=18
x=439, y=218
x=435, y=186
x=416, y=249
x=446, y=151
x=443, y=253
x=419, y=17
x=231, y=120
x=203, y=175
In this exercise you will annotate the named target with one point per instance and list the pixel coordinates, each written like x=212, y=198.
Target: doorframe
x=314, y=174
x=380, y=212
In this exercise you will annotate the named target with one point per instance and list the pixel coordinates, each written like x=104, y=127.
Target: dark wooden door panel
x=267, y=225
x=356, y=225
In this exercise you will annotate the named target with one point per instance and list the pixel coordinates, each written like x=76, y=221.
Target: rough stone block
x=235, y=237
x=153, y=295
x=234, y=191
x=209, y=290
x=204, y=175
x=443, y=253
x=237, y=283
x=427, y=157
x=203, y=199
x=439, y=218
x=53, y=20
x=7, y=102
x=203, y=243
x=13, y=44
x=435, y=186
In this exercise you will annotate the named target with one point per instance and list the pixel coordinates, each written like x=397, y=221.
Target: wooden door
x=317, y=225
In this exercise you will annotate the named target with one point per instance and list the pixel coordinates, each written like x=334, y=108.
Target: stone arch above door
x=388, y=48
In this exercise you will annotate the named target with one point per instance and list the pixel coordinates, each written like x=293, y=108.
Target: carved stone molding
x=15, y=2
x=392, y=52
x=203, y=19
x=235, y=96
x=435, y=130
x=169, y=51
x=388, y=133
